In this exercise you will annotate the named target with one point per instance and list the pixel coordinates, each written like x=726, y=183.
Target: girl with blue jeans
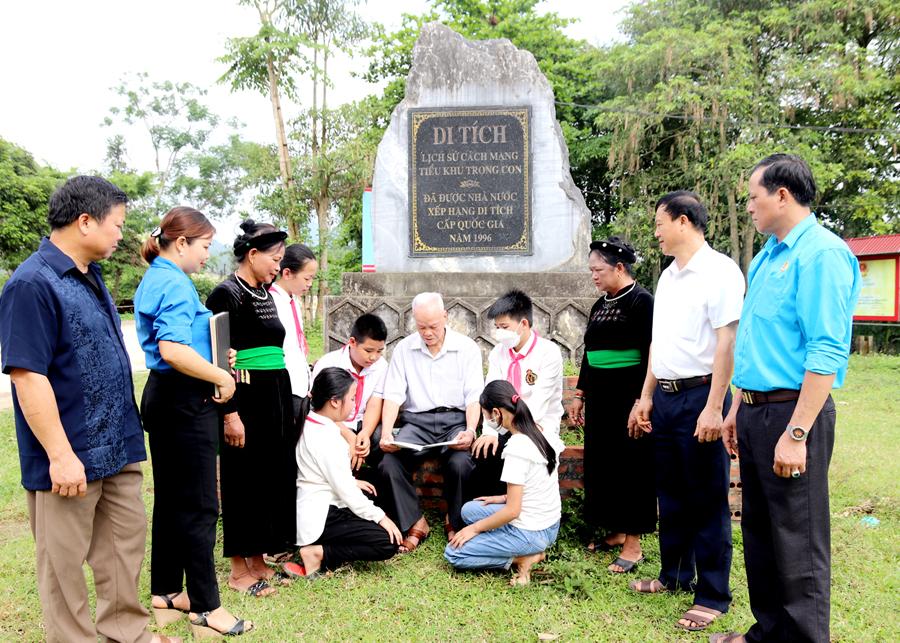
x=515, y=528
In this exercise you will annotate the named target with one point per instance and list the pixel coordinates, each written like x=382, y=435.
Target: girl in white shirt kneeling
x=518, y=527
x=336, y=522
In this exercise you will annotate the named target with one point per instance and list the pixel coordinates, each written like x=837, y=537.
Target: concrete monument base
x=562, y=303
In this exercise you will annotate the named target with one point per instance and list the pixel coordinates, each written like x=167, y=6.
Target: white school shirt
x=524, y=465
x=689, y=305
x=370, y=379
x=324, y=478
x=294, y=357
x=419, y=382
x=542, y=380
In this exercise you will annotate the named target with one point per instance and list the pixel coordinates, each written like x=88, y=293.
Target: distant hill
x=221, y=259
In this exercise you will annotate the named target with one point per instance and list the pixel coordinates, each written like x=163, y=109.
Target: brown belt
x=676, y=386
x=767, y=397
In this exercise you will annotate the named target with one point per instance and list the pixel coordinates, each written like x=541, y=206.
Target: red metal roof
x=885, y=244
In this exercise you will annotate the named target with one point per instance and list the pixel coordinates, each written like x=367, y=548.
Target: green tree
x=25, y=189
x=701, y=91
x=267, y=62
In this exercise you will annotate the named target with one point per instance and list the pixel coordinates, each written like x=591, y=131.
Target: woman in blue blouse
x=181, y=418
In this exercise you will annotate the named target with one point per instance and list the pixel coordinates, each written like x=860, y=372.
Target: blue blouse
x=167, y=308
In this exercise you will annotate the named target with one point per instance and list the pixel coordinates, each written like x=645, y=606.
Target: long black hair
x=500, y=394
x=330, y=384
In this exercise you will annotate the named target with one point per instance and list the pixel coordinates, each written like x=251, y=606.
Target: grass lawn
x=418, y=597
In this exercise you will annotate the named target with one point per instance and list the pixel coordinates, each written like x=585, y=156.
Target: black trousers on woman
x=182, y=422
x=347, y=537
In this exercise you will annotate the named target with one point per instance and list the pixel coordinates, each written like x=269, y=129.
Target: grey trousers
x=786, y=526
x=397, y=493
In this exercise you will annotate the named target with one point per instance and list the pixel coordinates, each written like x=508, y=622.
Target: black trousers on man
x=692, y=489
x=183, y=424
x=347, y=538
x=786, y=526
x=397, y=494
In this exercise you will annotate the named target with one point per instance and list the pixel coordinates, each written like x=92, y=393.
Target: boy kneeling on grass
x=516, y=528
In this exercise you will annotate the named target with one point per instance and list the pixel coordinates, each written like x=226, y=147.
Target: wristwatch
x=797, y=433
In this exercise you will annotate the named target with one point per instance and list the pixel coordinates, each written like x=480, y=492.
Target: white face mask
x=509, y=338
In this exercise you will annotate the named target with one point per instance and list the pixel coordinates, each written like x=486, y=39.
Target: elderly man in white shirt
x=695, y=316
x=431, y=395
x=533, y=365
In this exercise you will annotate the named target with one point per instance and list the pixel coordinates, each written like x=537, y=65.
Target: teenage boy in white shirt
x=533, y=365
x=363, y=358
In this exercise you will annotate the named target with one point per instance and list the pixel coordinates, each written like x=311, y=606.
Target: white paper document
x=422, y=447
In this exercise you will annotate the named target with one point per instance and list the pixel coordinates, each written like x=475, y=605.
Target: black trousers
x=182, y=422
x=486, y=478
x=786, y=526
x=397, y=493
x=347, y=537
x=692, y=487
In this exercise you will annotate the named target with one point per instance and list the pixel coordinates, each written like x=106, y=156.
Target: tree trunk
x=734, y=224
x=284, y=157
x=323, y=204
x=749, y=238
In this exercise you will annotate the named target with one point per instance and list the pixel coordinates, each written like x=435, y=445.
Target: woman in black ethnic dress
x=618, y=469
x=258, y=471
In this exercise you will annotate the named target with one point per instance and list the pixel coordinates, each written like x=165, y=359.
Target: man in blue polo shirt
x=792, y=348
x=79, y=434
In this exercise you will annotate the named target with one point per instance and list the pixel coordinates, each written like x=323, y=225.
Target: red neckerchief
x=514, y=372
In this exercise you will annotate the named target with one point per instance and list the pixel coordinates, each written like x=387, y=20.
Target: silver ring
x=795, y=473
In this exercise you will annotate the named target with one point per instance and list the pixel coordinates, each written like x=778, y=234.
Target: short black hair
x=790, y=172
x=79, y=195
x=515, y=304
x=687, y=203
x=368, y=326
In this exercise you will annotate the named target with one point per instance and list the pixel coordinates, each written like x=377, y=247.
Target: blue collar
x=60, y=261
x=166, y=264
x=794, y=235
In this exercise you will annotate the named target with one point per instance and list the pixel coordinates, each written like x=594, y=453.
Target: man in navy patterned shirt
x=79, y=434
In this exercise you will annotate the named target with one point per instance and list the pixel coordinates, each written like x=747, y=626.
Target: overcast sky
x=59, y=59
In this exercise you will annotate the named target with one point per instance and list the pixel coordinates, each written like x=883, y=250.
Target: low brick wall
x=428, y=479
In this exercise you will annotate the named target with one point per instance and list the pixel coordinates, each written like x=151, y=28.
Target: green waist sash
x=614, y=359
x=262, y=358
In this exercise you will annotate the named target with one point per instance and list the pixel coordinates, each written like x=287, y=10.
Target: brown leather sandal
x=653, y=586
x=419, y=535
x=700, y=615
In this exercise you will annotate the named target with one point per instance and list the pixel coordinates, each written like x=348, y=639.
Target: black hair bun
x=248, y=226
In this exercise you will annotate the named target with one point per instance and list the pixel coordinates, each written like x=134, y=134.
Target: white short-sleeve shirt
x=370, y=379
x=419, y=381
x=542, y=379
x=524, y=465
x=689, y=305
x=294, y=357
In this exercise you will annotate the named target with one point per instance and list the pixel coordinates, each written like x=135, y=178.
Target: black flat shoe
x=201, y=629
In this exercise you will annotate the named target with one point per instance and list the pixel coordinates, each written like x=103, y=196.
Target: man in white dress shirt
x=695, y=316
x=431, y=395
x=363, y=358
x=533, y=365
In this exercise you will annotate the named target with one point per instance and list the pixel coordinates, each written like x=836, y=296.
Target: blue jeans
x=496, y=549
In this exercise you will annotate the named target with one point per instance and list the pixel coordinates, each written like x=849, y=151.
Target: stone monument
x=473, y=196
